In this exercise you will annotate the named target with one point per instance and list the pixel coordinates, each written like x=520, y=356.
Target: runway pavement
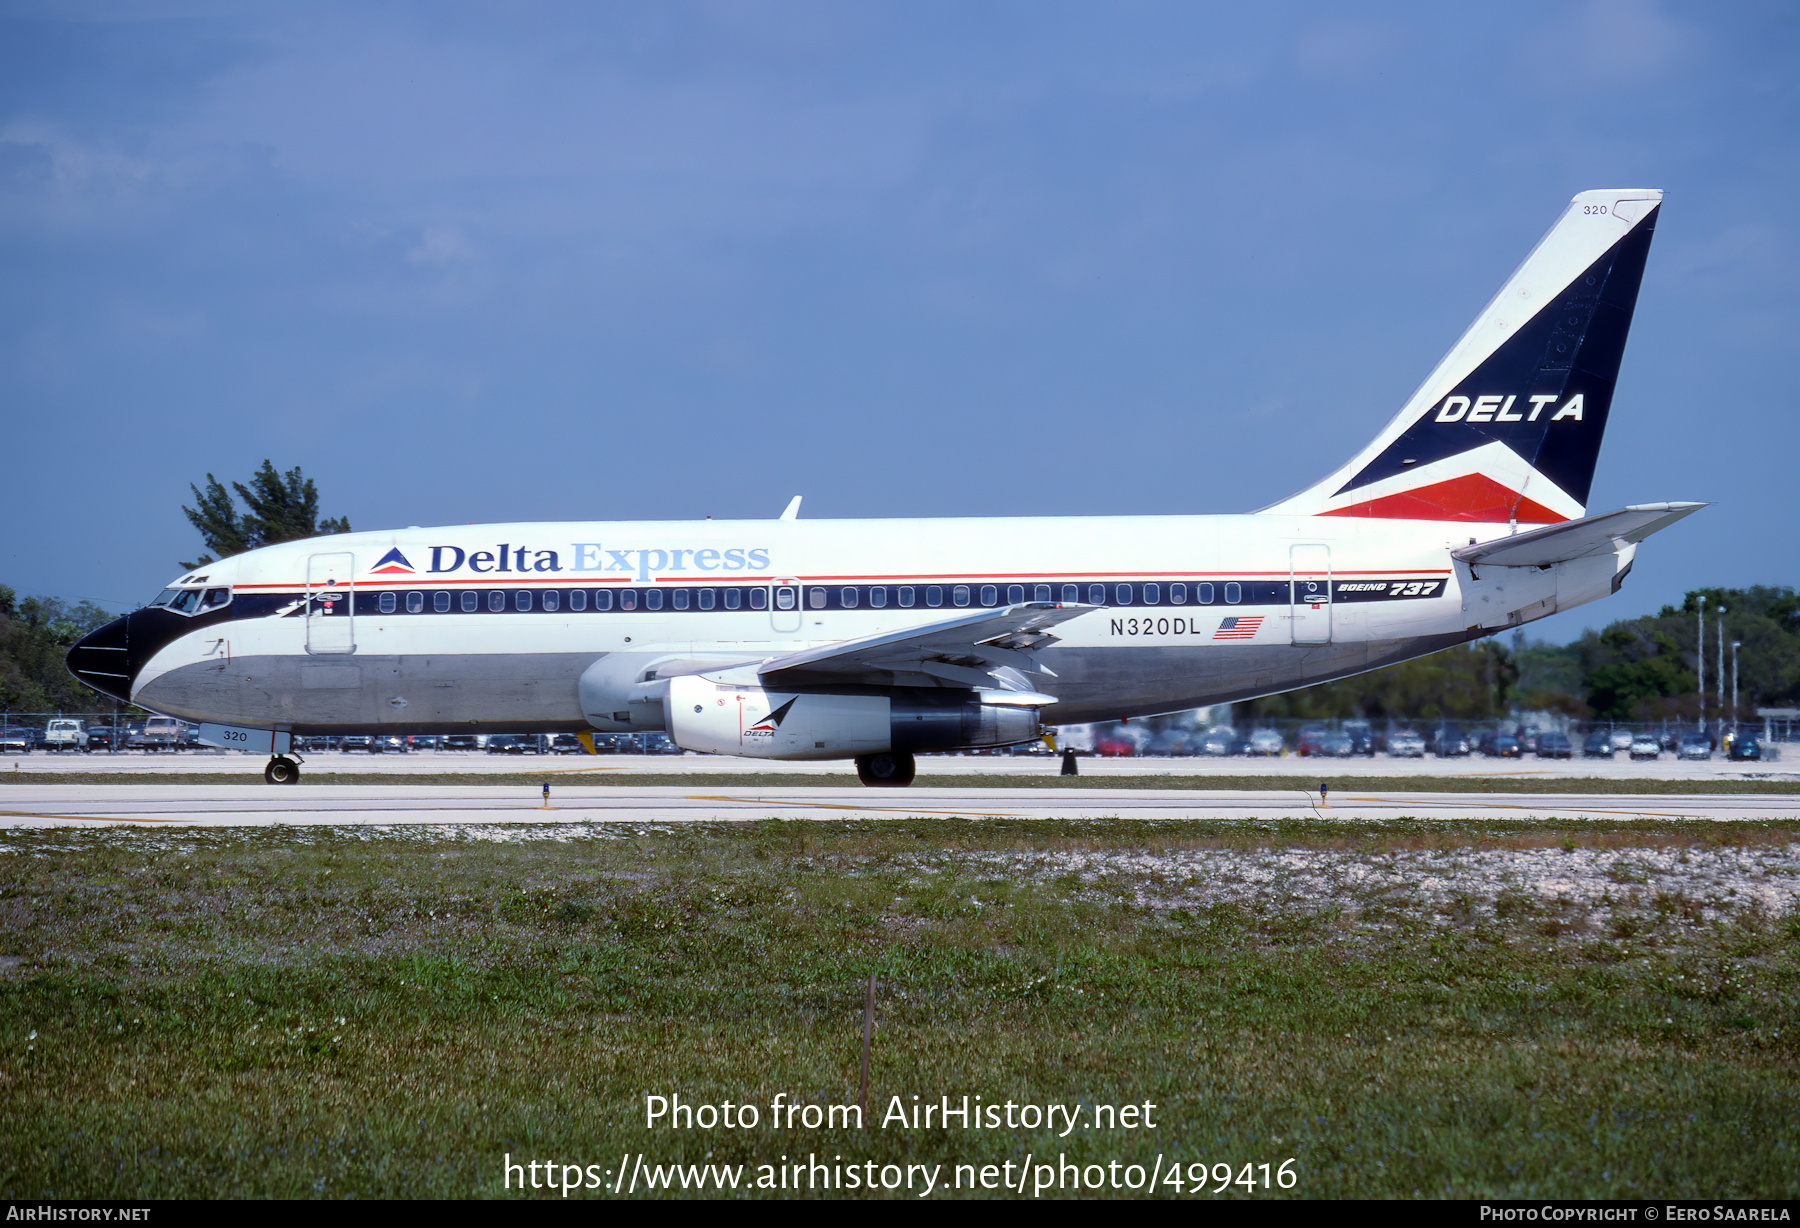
x=89, y=806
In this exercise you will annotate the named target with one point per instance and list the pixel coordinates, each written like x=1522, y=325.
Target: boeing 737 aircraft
x=877, y=639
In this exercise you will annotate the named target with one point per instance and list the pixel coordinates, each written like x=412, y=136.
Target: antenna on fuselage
x=793, y=509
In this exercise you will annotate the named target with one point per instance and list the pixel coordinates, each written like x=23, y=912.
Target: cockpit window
x=166, y=596
x=186, y=602
x=215, y=598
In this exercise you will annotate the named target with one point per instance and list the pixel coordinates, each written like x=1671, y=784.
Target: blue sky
x=511, y=262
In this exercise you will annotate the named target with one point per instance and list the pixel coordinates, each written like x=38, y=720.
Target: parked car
x=1450, y=741
x=1554, y=744
x=1306, y=744
x=157, y=733
x=1500, y=746
x=1336, y=746
x=1407, y=744
x=425, y=741
x=567, y=744
x=1646, y=746
x=1622, y=739
x=102, y=737
x=356, y=741
x=459, y=741
x=515, y=744
x=1598, y=745
x=1266, y=743
x=661, y=744
x=1217, y=740
x=1362, y=737
x=1745, y=746
x=65, y=733
x=15, y=740
x=1694, y=746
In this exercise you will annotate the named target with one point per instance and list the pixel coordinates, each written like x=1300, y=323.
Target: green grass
x=382, y=1013
x=1047, y=779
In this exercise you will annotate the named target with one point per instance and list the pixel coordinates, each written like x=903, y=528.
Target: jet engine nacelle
x=720, y=719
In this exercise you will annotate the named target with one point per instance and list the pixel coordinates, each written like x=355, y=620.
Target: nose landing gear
x=281, y=771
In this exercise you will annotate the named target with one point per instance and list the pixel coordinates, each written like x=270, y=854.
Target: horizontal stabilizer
x=1559, y=543
x=970, y=650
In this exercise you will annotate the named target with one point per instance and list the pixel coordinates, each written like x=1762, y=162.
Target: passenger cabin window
x=1177, y=594
x=653, y=599
x=1203, y=593
x=705, y=598
x=415, y=603
x=1122, y=594
x=627, y=599
x=1071, y=592
x=759, y=599
x=847, y=596
x=603, y=599
x=934, y=596
x=578, y=599
x=960, y=594
x=471, y=602
x=990, y=595
x=784, y=597
x=734, y=598
x=1015, y=593
x=679, y=599
x=1042, y=593
x=1234, y=593
x=1152, y=594
x=440, y=601
x=522, y=600
x=816, y=598
x=387, y=603
x=878, y=597
x=1096, y=594
x=906, y=596
x=551, y=601
x=496, y=601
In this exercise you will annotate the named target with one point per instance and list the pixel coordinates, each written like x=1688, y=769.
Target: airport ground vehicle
x=877, y=640
x=1554, y=744
x=65, y=733
x=1646, y=746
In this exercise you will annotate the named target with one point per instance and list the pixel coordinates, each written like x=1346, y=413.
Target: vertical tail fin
x=1508, y=426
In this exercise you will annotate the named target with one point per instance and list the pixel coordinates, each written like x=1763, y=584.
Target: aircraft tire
x=889, y=770
x=281, y=771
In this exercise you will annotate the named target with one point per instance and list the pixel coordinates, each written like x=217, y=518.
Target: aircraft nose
x=102, y=659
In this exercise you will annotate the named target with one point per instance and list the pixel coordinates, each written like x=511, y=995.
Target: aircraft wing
x=1559, y=543
x=989, y=649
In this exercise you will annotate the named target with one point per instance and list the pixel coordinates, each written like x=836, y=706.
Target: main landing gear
x=891, y=769
x=281, y=771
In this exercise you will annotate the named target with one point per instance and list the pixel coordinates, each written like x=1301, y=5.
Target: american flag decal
x=1238, y=627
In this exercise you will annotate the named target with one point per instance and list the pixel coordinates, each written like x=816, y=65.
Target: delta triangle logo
x=393, y=563
x=772, y=722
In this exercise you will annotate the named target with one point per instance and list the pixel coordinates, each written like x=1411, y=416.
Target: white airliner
x=876, y=639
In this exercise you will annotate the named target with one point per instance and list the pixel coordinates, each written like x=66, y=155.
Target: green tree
x=281, y=507
x=35, y=635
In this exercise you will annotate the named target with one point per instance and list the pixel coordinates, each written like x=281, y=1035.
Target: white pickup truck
x=64, y=733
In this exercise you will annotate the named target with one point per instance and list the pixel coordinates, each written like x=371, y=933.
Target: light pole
x=1700, y=659
x=1719, y=626
x=1734, y=708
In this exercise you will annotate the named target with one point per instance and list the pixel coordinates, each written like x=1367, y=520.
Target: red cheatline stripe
x=719, y=581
